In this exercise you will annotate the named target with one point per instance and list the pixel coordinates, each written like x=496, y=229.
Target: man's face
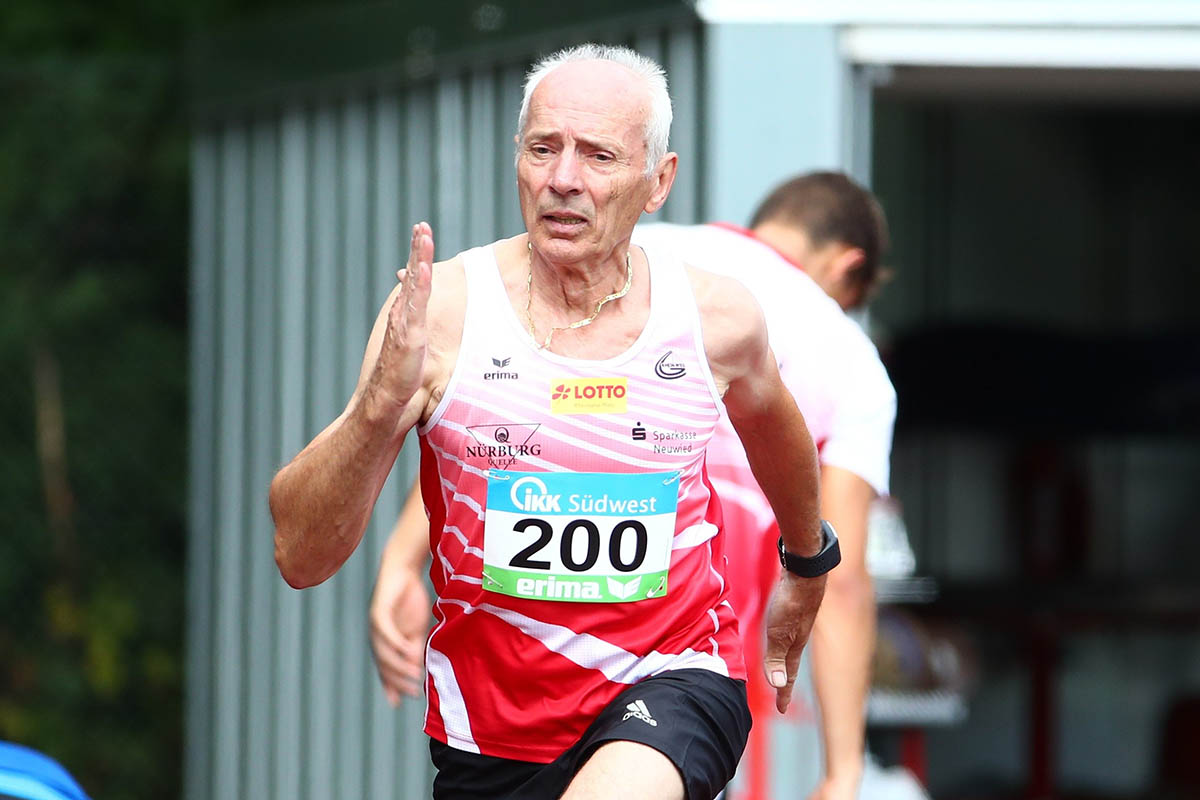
x=581, y=162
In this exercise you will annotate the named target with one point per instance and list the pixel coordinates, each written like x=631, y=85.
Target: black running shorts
x=696, y=718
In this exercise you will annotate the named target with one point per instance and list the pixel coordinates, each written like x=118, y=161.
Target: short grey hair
x=658, y=120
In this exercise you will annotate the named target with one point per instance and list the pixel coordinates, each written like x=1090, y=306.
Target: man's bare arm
x=782, y=457
x=844, y=635
x=400, y=605
x=321, y=501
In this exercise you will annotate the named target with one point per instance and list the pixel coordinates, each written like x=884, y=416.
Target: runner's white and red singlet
x=576, y=540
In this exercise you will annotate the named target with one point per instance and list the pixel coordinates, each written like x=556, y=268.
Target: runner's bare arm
x=843, y=636
x=400, y=605
x=782, y=457
x=321, y=500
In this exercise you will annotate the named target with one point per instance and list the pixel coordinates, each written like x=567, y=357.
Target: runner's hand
x=398, y=372
x=789, y=621
x=400, y=620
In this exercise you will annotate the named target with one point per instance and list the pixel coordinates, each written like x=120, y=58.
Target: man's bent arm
x=322, y=500
x=844, y=633
x=783, y=458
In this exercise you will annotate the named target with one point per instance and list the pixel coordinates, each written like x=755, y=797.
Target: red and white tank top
x=576, y=539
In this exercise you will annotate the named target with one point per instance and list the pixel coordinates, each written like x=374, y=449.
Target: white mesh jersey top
x=576, y=540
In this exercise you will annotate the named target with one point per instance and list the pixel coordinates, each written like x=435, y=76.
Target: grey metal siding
x=300, y=218
x=202, y=453
x=232, y=490
x=292, y=338
x=263, y=440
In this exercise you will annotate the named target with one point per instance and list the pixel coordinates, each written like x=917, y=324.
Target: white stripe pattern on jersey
x=679, y=414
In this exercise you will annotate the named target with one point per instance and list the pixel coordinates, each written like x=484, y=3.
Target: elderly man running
x=583, y=645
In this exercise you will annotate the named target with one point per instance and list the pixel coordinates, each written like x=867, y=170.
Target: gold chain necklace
x=578, y=323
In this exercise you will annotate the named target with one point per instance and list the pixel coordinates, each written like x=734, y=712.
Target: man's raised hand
x=398, y=371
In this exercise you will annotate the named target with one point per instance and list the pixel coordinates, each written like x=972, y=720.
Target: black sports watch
x=813, y=566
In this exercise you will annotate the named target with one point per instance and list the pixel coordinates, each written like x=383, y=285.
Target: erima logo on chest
x=502, y=374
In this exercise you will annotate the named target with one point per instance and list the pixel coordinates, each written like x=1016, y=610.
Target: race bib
x=579, y=537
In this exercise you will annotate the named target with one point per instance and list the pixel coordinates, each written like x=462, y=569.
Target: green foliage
x=93, y=266
x=92, y=291
x=93, y=398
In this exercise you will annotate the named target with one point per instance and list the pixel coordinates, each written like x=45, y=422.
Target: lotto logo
x=588, y=396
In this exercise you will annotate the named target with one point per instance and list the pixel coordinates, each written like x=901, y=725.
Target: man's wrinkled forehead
x=602, y=88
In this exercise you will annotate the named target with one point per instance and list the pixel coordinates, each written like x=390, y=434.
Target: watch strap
x=813, y=566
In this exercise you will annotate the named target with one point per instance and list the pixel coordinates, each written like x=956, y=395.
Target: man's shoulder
x=448, y=295
x=449, y=276
x=737, y=253
x=454, y=273
x=731, y=322
x=730, y=315
x=836, y=365
x=707, y=246
x=818, y=343
x=716, y=293
x=453, y=277
x=826, y=339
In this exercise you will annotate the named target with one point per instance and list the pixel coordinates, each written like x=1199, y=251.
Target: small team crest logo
x=667, y=369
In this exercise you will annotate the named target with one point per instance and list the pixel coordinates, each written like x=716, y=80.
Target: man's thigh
x=626, y=769
x=695, y=718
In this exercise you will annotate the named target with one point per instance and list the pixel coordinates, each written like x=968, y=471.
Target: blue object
x=30, y=775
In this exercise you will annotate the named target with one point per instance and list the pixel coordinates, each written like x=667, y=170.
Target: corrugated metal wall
x=299, y=219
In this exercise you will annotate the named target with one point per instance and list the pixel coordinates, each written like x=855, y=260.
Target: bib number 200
x=591, y=533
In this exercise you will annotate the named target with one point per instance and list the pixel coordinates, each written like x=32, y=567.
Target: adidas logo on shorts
x=638, y=709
